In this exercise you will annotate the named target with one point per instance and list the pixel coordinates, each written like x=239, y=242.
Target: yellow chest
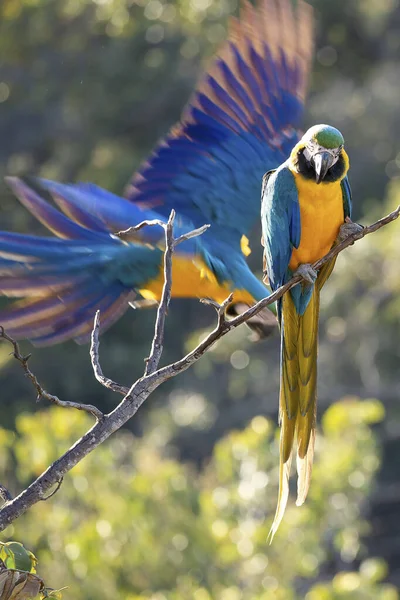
x=321, y=215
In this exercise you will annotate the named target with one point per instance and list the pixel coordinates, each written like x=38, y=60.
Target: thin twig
x=59, y=482
x=157, y=344
x=41, y=392
x=220, y=308
x=191, y=234
x=5, y=494
x=95, y=359
x=127, y=235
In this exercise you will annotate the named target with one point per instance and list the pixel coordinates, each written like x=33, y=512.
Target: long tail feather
x=284, y=474
x=304, y=470
x=299, y=339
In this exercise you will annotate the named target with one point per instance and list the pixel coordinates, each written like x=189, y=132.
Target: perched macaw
x=241, y=121
x=305, y=203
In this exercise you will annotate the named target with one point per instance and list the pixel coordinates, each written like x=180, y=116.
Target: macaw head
x=320, y=154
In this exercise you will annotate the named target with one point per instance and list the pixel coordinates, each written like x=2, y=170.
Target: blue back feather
x=347, y=200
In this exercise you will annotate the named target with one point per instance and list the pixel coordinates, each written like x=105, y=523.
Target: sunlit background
x=178, y=505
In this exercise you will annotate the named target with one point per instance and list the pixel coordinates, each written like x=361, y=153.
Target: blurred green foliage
x=130, y=522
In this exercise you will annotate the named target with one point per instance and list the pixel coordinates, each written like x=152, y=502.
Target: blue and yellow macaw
x=241, y=121
x=306, y=207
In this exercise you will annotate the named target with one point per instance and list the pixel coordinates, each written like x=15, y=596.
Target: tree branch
x=128, y=235
x=191, y=234
x=157, y=345
x=41, y=392
x=95, y=359
x=144, y=386
x=127, y=408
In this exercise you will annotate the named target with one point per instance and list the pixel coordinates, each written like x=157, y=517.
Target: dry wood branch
x=190, y=234
x=128, y=235
x=157, y=345
x=41, y=392
x=220, y=308
x=95, y=359
x=144, y=386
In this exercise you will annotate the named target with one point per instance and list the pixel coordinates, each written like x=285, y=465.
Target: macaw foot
x=348, y=228
x=307, y=273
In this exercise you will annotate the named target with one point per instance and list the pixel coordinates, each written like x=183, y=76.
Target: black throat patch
x=307, y=170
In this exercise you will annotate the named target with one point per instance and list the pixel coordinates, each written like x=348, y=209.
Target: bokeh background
x=178, y=504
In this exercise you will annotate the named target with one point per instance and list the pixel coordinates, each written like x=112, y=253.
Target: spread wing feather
x=65, y=280
x=241, y=121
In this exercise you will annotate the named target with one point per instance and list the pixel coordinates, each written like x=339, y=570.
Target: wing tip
x=16, y=184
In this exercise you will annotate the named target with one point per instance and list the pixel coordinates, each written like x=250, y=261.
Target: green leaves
x=15, y=556
x=17, y=575
x=17, y=572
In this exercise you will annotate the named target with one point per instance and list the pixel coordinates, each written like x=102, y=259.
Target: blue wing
x=88, y=207
x=347, y=200
x=280, y=219
x=86, y=268
x=241, y=122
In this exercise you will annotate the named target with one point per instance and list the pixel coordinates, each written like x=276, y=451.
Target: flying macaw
x=306, y=207
x=242, y=120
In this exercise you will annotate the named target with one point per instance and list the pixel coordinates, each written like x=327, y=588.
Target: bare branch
x=144, y=386
x=41, y=392
x=156, y=351
x=220, y=308
x=191, y=234
x=95, y=359
x=157, y=344
x=127, y=235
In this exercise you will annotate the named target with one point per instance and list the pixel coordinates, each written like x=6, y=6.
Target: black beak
x=322, y=163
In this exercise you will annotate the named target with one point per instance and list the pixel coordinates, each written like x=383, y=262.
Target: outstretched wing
x=241, y=121
x=63, y=280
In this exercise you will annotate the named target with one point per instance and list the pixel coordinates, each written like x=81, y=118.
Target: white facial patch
x=312, y=148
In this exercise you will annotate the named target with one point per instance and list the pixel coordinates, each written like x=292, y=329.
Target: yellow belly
x=321, y=214
x=193, y=279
